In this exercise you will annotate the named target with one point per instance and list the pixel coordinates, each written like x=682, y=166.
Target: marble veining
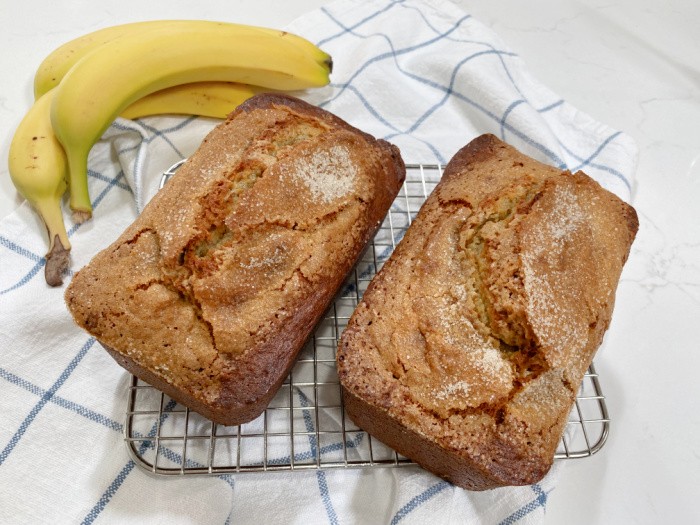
x=632, y=65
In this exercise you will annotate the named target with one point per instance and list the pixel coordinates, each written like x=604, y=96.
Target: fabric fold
x=423, y=75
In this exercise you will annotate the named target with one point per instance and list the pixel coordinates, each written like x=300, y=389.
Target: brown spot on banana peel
x=57, y=261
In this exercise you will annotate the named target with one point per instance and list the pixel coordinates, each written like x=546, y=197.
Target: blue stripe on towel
x=507, y=112
x=539, y=501
x=110, y=180
x=155, y=133
x=45, y=398
x=588, y=161
x=27, y=277
x=320, y=475
x=418, y=500
x=352, y=29
x=13, y=246
x=117, y=482
x=325, y=497
x=109, y=493
x=41, y=261
x=393, y=54
x=60, y=401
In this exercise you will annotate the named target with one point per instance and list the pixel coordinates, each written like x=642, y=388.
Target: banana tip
x=57, y=262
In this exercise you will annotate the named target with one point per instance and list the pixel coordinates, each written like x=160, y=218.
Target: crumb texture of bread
x=213, y=290
x=468, y=347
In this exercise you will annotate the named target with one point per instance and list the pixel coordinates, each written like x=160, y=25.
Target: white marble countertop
x=636, y=67
x=632, y=65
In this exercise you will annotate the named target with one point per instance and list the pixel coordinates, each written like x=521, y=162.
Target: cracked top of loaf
x=474, y=337
x=215, y=287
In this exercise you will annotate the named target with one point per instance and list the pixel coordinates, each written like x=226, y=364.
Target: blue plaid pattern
x=423, y=76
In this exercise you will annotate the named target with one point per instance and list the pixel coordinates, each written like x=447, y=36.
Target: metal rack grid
x=305, y=426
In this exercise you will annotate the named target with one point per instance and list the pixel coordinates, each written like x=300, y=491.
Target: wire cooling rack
x=305, y=426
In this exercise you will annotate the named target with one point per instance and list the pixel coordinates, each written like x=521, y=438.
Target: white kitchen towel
x=421, y=74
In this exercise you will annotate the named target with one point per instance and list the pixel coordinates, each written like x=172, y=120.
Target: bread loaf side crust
x=210, y=294
x=468, y=347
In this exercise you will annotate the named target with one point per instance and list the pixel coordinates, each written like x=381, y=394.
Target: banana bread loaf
x=213, y=290
x=467, y=349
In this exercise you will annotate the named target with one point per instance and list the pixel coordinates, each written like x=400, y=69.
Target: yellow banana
x=38, y=168
x=55, y=66
x=38, y=165
x=111, y=77
x=206, y=99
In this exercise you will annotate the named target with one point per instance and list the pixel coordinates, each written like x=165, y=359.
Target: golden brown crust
x=212, y=291
x=468, y=346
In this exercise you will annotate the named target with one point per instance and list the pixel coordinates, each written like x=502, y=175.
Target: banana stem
x=58, y=256
x=57, y=262
x=78, y=186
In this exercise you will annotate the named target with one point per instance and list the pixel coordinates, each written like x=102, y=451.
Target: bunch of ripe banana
x=134, y=70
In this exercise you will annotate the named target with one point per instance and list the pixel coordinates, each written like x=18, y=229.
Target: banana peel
x=38, y=169
x=48, y=153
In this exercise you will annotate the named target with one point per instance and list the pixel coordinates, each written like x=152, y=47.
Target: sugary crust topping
x=249, y=239
x=478, y=330
x=328, y=174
